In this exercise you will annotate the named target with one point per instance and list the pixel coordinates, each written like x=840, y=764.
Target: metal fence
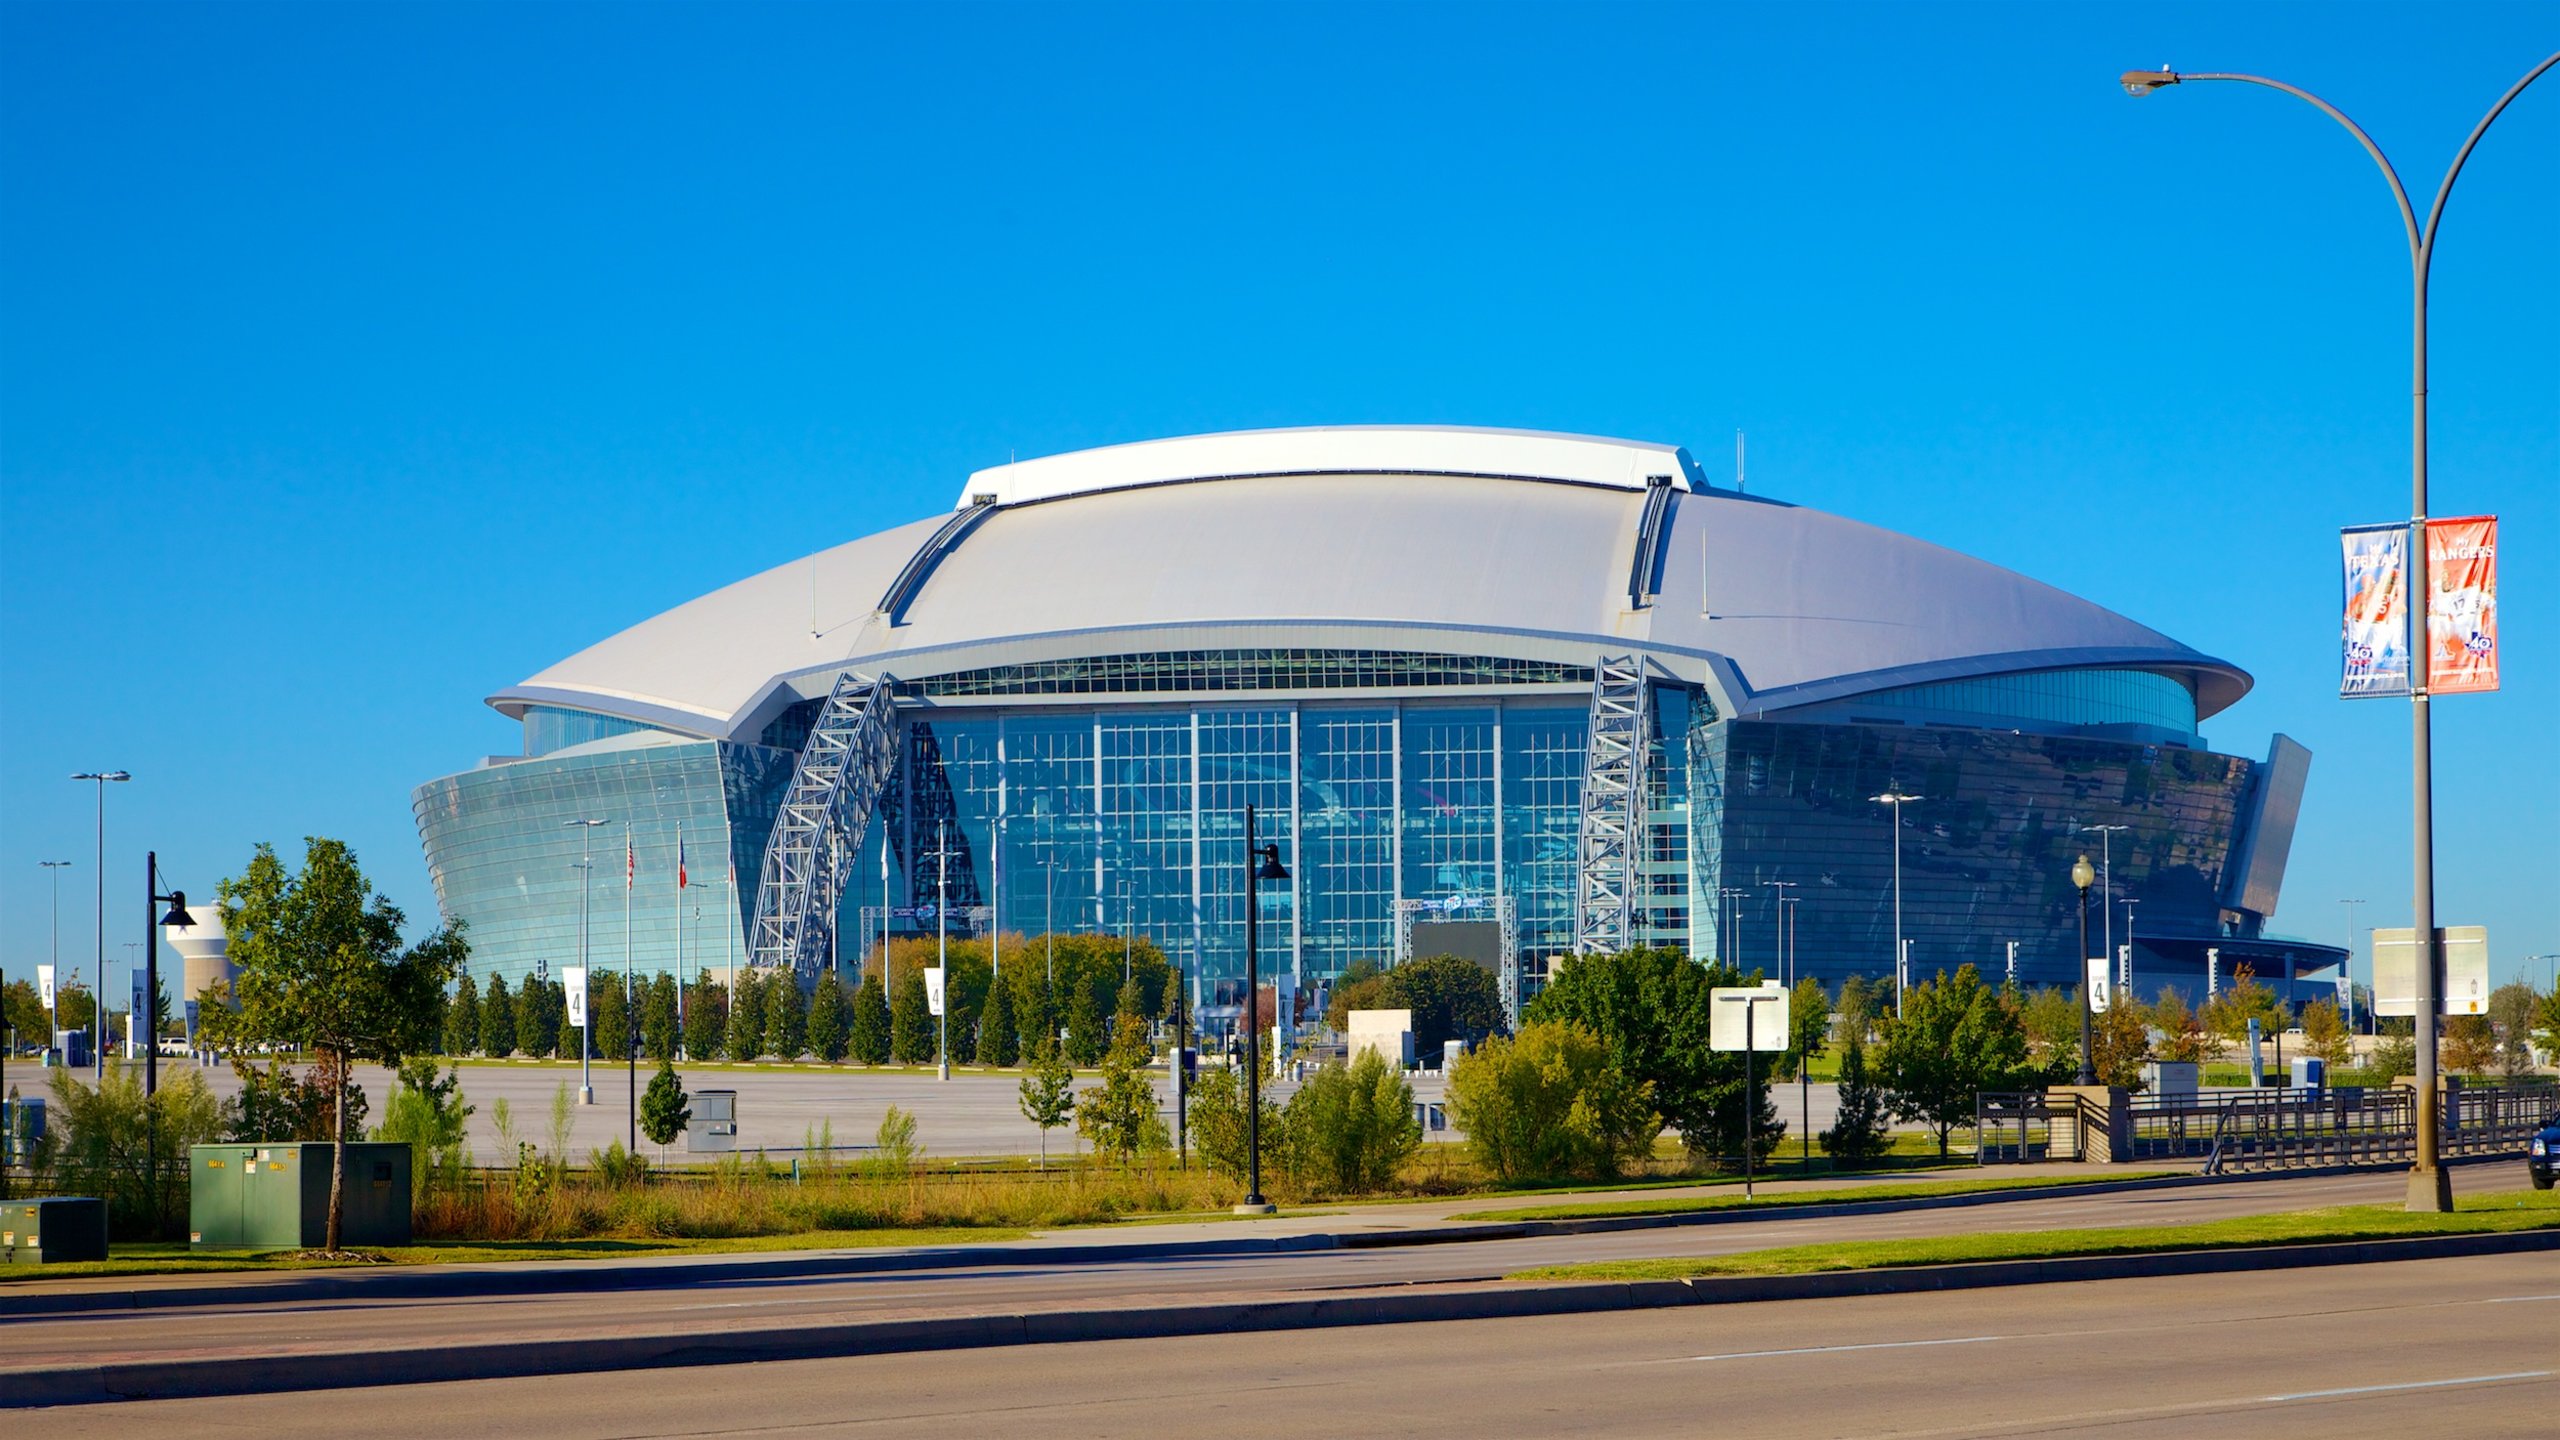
x=2235, y=1131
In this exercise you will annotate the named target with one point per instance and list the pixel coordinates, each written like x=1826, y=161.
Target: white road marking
x=2408, y=1385
x=2512, y=1299
x=1825, y=1350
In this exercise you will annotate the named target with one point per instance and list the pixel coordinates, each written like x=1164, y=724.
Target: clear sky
x=357, y=360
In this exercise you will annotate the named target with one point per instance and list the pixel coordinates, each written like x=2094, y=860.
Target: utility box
x=713, y=1130
x=276, y=1197
x=21, y=1128
x=2171, y=1078
x=2311, y=1073
x=53, y=1232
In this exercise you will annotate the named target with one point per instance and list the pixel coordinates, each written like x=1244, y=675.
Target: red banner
x=2462, y=604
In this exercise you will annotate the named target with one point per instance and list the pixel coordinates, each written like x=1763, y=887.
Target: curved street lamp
x=1261, y=862
x=2430, y=1187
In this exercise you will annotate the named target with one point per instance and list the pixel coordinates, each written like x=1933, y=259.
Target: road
x=1043, y=1276
x=2444, y=1347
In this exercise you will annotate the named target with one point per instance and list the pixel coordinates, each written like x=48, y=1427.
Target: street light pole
x=1894, y=797
x=2349, y=968
x=586, y=868
x=53, y=870
x=2124, y=971
x=2081, y=875
x=1779, y=930
x=2430, y=1186
x=2106, y=884
x=942, y=946
x=1261, y=862
x=98, y=1004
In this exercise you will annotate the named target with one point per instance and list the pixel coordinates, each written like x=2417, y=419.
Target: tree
x=1808, y=1025
x=2051, y=1017
x=1955, y=1039
x=998, y=1044
x=1119, y=1115
x=658, y=1018
x=462, y=1019
x=2511, y=1008
x=2182, y=1029
x=2324, y=1033
x=1857, y=1133
x=2546, y=1022
x=536, y=1033
x=786, y=1017
x=2227, y=1015
x=870, y=1030
x=1650, y=1008
x=1367, y=992
x=829, y=1024
x=1857, y=1007
x=567, y=1041
x=426, y=1112
x=321, y=961
x=1550, y=1103
x=664, y=1108
x=706, y=1017
x=746, y=1016
x=1048, y=1095
x=1451, y=998
x=1217, y=1126
x=2119, y=1042
x=1088, y=1034
x=497, y=1020
x=609, y=1012
x=1351, y=1130
x=2470, y=1044
x=910, y=1019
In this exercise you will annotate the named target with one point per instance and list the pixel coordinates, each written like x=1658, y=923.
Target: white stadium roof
x=1463, y=541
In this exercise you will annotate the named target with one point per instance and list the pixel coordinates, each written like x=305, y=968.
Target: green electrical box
x=276, y=1197
x=53, y=1232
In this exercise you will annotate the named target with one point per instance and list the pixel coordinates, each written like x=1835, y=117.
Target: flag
x=2374, y=637
x=679, y=860
x=2462, y=604
x=630, y=862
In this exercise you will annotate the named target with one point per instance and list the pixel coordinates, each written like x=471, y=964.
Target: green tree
x=1955, y=1039
x=830, y=1019
x=1351, y=1130
x=2182, y=1029
x=1451, y=998
x=1857, y=1133
x=1217, y=1128
x=911, y=1031
x=2051, y=1016
x=2324, y=1033
x=2227, y=1015
x=870, y=1031
x=1119, y=1115
x=1808, y=1026
x=1355, y=991
x=274, y=1103
x=998, y=1045
x=567, y=1040
x=2119, y=1042
x=462, y=1018
x=2546, y=1022
x=320, y=960
x=1857, y=1007
x=497, y=1020
x=1552, y=1103
x=1048, y=1095
x=425, y=1112
x=1650, y=1008
x=2470, y=1045
x=786, y=1017
x=664, y=1108
x=1088, y=1033
x=706, y=1018
x=2511, y=1008
x=746, y=1015
x=609, y=1011
x=535, y=1031
x=658, y=1018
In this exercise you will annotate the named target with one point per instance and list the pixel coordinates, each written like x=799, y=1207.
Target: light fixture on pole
x=585, y=865
x=942, y=946
x=53, y=871
x=1779, y=930
x=2081, y=876
x=98, y=1003
x=2106, y=883
x=1894, y=797
x=2124, y=963
x=1731, y=897
x=1261, y=862
x=2430, y=1186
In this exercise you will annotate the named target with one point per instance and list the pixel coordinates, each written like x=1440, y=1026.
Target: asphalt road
x=1031, y=1277
x=2445, y=1347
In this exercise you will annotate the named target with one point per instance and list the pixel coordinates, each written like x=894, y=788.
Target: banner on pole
x=2462, y=605
x=2374, y=637
x=933, y=991
x=44, y=982
x=2100, y=991
x=573, y=982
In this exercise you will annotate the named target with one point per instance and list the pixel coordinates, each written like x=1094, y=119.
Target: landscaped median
x=2501, y=1213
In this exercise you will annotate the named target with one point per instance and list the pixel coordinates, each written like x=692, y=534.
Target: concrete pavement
x=2448, y=1347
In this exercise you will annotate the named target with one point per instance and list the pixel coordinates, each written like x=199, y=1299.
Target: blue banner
x=2374, y=636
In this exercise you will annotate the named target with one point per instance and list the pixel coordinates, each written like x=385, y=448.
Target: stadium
x=1498, y=693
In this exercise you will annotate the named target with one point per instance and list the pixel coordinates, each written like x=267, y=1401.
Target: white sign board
x=573, y=979
x=138, y=979
x=933, y=990
x=44, y=982
x=1387, y=1032
x=1766, y=1008
x=2098, y=987
x=2466, y=970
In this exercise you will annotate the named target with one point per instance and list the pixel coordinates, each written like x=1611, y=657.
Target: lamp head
x=2138, y=83
x=2082, y=873
x=1269, y=866
x=178, y=915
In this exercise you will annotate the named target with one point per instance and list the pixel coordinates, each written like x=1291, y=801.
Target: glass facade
x=548, y=728
x=2091, y=698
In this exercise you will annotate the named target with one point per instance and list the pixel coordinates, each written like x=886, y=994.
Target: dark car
x=2542, y=1156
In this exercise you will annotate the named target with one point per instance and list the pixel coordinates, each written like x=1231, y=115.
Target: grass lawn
x=1685, y=1204
x=178, y=1259
x=2474, y=1214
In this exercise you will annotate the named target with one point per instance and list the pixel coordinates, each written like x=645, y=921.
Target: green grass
x=177, y=1259
x=1685, y=1204
x=2474, y=1214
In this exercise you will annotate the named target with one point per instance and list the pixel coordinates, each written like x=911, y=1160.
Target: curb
x=193, y=1378
x=549, y=1277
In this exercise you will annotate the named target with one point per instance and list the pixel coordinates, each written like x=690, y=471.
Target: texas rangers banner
x=2462, y=604
x=2375, y=635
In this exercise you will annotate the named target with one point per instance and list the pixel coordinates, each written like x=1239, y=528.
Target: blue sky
x=356, y=361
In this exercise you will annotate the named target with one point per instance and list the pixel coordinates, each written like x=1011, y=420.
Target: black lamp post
x=2081, y=876
x=1261, y=862
x=177, y=915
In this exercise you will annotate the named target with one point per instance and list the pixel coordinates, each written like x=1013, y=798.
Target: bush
x=1217, y=1128
x=894, y=1151
x=1119, y=1116
x=128, y=1149
x=664, y=1107
x=1351, y=1130
x=1649, y=1007
x=619, y=1169
x=426, y=1113
x=1549, y=1104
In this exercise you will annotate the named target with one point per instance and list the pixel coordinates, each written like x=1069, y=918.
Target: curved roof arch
x=1501, y=543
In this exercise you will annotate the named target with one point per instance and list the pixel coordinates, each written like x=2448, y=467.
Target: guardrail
x=2236, y=1131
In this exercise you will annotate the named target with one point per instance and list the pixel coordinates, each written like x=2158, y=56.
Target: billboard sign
x=2462, y=605
x=2466, y=970
x=2374, y=636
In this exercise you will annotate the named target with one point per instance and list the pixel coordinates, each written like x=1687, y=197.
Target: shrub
x=618, y=1168
x=1048, y=1095
x=1649, y=1007
x=425, y=1111
x=1350, y=1130
x=894, y=1151
x=1858, y=1133
x=130, y=1149
x=664, y=1107
x=1549, y=1104
x=1119, y=1116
